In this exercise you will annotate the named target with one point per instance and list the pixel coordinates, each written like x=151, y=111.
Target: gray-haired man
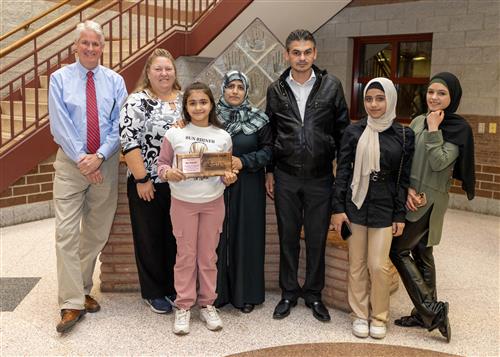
x=84, y=104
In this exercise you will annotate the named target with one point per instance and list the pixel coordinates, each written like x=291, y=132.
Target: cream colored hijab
x=368, y=149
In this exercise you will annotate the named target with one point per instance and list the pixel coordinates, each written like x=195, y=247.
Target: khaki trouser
x=369, y=268
x=84, y=214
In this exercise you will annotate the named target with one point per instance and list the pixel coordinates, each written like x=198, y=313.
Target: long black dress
x=240, y=265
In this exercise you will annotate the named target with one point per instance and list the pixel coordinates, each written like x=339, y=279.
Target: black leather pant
x=415, y=264
x=424, y=259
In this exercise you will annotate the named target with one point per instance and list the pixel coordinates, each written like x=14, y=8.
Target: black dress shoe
x=320, y=312
x=247, y=308
x=282, y=310
x=409, y=321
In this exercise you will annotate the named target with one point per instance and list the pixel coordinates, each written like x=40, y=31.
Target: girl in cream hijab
x=372, y=178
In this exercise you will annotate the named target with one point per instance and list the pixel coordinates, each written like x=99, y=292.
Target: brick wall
x=118, y=269
x=487, y=158
x=35, y=186
x=487, y=182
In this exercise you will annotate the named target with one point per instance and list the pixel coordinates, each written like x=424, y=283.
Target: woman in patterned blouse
x=145, y=117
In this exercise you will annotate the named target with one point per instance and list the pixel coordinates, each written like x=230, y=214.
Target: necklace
x=170, y=98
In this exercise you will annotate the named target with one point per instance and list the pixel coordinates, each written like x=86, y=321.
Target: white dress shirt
x=301, y=91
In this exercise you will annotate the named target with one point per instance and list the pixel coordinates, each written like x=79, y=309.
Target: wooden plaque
x=204, y=164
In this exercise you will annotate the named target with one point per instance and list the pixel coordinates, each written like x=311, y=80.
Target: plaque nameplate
x=204, y=164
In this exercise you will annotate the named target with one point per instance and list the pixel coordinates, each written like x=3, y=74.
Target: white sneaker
x=211, y=318
x=378, y=331
x=181, y=323
x=360, y=328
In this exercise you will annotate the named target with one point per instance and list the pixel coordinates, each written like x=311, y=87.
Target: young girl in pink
x=197, y=208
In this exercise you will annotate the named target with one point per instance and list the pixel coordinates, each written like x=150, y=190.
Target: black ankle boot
x=444, y=327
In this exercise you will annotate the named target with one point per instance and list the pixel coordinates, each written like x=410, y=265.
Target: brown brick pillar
x=118, y=269
x=119, y=272
x=272, y=258
x=336, y=264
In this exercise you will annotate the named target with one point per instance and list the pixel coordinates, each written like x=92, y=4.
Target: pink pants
x=197, y=228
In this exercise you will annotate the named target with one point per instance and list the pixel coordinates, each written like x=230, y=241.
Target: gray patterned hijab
x=242, y=118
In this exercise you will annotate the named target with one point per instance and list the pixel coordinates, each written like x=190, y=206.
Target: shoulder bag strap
x=402, y=157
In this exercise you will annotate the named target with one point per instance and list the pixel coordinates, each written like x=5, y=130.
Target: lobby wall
x=466, y=42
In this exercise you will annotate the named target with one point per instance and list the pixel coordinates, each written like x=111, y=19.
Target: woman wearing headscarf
x=444, y=148
x=240, y=253
x=373, y=172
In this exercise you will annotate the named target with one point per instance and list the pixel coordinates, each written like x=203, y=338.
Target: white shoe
x=378, y=331
x=211, y=318
x=181, y=323
x=360, y=328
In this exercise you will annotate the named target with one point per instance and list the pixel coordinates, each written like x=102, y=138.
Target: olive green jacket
x=431, y=172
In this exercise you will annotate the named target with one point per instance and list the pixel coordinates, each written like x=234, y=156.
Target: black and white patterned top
x=143, y=123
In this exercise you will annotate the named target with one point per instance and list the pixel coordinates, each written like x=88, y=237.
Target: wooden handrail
x=26, y=24
x=45, y=28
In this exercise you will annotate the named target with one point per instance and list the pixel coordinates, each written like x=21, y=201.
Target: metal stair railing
x=25, y=25
x=130, y=28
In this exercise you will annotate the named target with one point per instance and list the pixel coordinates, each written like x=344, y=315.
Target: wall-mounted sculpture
x=257, y=53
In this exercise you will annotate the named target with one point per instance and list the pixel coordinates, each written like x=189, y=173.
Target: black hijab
x=457, y=131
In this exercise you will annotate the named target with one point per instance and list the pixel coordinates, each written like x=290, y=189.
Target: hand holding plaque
x=204, y=164
x=173, y=175
x=229, y=178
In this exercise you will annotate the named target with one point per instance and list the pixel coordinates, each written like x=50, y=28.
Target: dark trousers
x=415, y=264
x=302, y=201
x=154, y=242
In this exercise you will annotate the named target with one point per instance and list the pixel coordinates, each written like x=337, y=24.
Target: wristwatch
x=100, y=156
x=144, y=179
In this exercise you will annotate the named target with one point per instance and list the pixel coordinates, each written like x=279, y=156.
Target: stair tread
x=43, y=91
x=6, y=120
x=18, y=101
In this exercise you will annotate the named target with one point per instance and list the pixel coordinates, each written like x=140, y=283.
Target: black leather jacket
x=306, y=148
x=385, y=201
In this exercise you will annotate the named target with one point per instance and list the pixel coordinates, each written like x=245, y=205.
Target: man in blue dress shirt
x=84, y=104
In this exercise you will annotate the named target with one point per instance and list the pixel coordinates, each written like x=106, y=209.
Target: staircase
x=132, y=30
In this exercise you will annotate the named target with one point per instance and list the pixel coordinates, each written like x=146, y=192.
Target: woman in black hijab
x=444, y=148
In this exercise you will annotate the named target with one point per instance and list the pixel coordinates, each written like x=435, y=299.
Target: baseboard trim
x=478, y=204
x=26, y=213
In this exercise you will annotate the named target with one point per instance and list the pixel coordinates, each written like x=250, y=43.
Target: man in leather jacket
x=308, y=114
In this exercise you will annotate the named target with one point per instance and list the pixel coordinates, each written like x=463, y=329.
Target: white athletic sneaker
x=211, y=318
x=360, y=328
x=378, y=331
x=181, y=323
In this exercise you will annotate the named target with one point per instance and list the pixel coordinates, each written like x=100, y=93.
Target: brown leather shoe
x=69, y=317
x=91, y=305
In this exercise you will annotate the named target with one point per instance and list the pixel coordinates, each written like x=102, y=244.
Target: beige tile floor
x=468, y=274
